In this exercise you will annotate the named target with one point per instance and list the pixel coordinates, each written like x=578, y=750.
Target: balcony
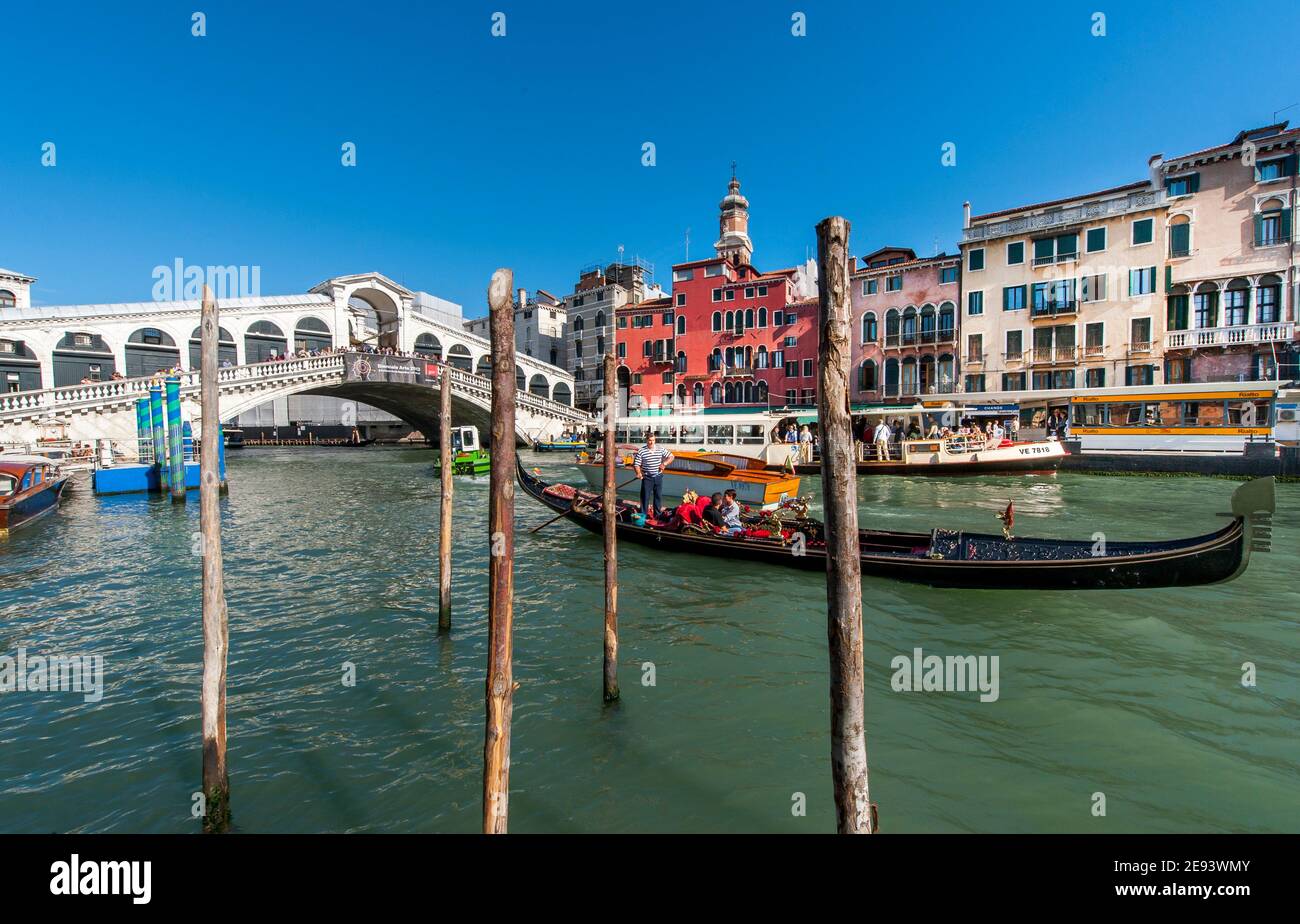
x=1055, y=355
x=1140, y=346
x=1054, y=310
x=1094, y=351
x=1237, y=335
x=738, y=370
x=974, y=359
x=1012, y=358
x=1055, y=259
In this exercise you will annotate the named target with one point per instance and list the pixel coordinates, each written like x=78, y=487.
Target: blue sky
x=475, y=152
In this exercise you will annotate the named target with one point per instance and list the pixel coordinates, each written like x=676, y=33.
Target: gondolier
x=649, y=465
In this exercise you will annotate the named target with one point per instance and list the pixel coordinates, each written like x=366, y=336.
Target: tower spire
x=733, y=225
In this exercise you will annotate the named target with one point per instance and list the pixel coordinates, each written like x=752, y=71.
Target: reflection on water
x=331, y=558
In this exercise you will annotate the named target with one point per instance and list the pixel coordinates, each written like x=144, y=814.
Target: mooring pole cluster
x=843, y=562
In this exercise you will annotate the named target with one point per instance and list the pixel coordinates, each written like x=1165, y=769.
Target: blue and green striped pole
x=175, y=444
x=143, y=429
x=221, y=459
x=159, y=434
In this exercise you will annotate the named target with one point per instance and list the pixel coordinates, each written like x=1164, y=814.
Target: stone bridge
x=405, y=386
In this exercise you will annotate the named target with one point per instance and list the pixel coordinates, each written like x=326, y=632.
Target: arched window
x=947, y=322
x=761, y=393
x=762, y=317
x=731, y=320
x=717, y=320
x=7, y=299
x=715, y=360
x=681, y=364
x=891, y=334
x=731, y=357
x=909, y=326
x=891, y=377
x=869, y=327
x=749, y=318
x=927, y=324
x=730, y=391
x=715, y=393
x=867, y=375
x=600, y=319
x=577, y=323
x=681, y=324
x=762, y=357
x=699, y=393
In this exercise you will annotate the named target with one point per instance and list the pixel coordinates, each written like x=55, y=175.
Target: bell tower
x=733, y=225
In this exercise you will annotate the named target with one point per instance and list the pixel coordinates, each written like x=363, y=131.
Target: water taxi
x=30, y=488
x=468, y=457
x=703, y=472
x=573, y=444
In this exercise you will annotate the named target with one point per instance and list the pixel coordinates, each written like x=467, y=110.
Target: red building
x=729, y=336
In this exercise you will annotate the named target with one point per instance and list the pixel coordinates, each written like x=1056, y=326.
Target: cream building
x=1232, y=263
x=1065, y=294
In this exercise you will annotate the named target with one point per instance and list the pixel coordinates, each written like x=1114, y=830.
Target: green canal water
x=331, y=559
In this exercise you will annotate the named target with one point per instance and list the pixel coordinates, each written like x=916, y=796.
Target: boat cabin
x=464, y=439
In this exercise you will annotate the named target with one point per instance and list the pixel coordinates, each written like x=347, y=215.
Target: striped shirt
x=650, y=460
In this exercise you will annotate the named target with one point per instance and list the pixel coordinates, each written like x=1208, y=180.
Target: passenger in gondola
x=731, y=513
x=712, y=514
x=686, y=512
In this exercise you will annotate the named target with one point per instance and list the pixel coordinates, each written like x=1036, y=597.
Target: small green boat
x=468, y=457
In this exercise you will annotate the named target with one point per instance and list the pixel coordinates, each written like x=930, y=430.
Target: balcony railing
x=1141, y=346
x=1229, y=336
x=1056, y=355
x=1016, y=357
x=1093, y=350
x=738, y=370
x=1056, y=258
x=1054, y=309
x=974, y=359
x=921, y=338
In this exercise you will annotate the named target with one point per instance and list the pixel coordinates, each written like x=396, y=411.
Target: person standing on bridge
x=649, y=464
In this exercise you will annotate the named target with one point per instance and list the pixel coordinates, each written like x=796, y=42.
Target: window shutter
x=1259, y=229
x=1194, y=183
x=1289, y=166
x=1286, y=224
x=1169, y=278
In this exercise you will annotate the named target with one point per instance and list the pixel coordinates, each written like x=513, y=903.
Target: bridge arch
x=312, y=333
x=83, y=354
x=428, y=345
x=562, y=394
x=377, y=317
x=458, y=355
x=538, y=385
x=484, y=366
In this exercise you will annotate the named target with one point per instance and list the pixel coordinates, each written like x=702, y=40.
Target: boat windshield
x=7, y=485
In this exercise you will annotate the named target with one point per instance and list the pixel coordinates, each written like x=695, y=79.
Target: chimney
x=523, y=298
x=1155, y=164
x=965, y=215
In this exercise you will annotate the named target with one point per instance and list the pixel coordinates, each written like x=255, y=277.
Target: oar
x=564, y=513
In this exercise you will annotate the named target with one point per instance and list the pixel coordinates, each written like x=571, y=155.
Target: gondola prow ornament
x=1008, y=518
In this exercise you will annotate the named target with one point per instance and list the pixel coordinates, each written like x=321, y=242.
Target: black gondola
x=945, y=558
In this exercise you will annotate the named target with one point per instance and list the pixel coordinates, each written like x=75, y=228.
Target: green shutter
x=1286, y=224
x=1194, y=183
x=1169, y=278
x=1259, y=229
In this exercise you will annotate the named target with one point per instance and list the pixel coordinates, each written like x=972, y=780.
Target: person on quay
x=649, y=464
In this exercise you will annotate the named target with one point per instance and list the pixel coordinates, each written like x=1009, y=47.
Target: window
x=1015, y=344
x=731, y=295
x=1140, y=375
x=762, y=317
x=1143, y=230
x=1057, y=249
x=1094, y=378
x=713, y=270
x=870, y=286
x=1207, y=309
x=1055, y=297
x=749, y=291
x=807, y=368
x=1013, y=298
x=717, y=320
x=647, y=348
x=1176, y=312
x=762, y=291
x=1182, y=185
x=975, y=348
x=1180, y=238
x=717, y=295
x=7, y=299
x=1178, y=371
x=975, y=259
x=683, y=275
x=681, y=299
x=1266, y=304
x=622, y=322
x=636, y=378
x=1092, y=288
x=975, y=383
x=791, y=342
x=1140, y=334
x=947, y=275
x=668, y=319
x=974, y=303
x=1015, y=253
x=1275, y=169
x=668, y=380
x=1013, y=381
x=867, y=376
x=1094, y=339
x=1234, y=307
x=792, y=368
x=894, y=284
x=681, y=324
x=777, y=319
x=622, y=351
x=1272, y=227
x=869, y=329
x=1095, y=240
x=1142, y=281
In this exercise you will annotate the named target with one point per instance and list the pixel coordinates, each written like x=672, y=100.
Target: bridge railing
x=127, y=391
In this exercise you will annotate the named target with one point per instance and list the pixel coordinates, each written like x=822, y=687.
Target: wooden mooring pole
x=609, y=501
x=216, y=635
x=843, y=563
x=445, y=508
x=500, y=692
